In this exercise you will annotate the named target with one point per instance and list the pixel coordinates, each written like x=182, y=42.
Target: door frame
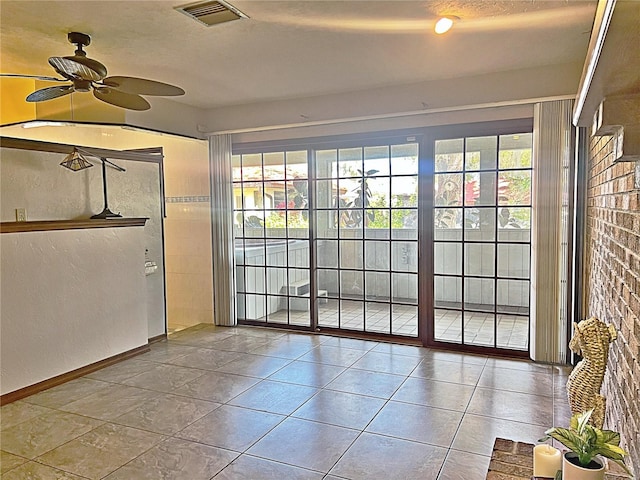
x=426, y=241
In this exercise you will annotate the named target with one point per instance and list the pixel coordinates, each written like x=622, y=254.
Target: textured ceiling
x=296, y=49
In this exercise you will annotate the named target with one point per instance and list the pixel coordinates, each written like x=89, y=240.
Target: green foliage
x=520, y=158
x=587, y=441
x=292, y=219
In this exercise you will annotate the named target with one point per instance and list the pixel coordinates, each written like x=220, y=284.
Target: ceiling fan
x=86, y=74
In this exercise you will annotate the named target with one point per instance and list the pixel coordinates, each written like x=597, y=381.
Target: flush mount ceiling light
x=445, y=23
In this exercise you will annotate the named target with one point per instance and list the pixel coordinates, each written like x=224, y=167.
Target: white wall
x=187, y=226
x=69, y=299
x=507, y=87
x=35, y=181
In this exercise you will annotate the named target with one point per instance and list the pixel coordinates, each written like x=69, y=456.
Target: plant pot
x=573, y=471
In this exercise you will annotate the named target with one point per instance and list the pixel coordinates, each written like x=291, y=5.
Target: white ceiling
x=297, y=49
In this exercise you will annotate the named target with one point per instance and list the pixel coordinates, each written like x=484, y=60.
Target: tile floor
x=512, y=330
x=252, y=403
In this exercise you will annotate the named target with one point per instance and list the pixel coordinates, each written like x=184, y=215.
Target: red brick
x=612, y=283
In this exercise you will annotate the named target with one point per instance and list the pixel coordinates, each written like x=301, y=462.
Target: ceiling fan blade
x=49, y=93
x=36, y=77
x=142, y=86
x=79, y=67
x=121, y=99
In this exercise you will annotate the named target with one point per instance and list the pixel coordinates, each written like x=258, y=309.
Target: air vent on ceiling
x=211, y=13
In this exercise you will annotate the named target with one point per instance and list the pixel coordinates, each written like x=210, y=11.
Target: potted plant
x=585, y=443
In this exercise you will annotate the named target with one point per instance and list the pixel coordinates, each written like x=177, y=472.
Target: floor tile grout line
x=347, y=368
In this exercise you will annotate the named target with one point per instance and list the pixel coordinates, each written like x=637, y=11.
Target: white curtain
x=552, y=156
x=224, y=278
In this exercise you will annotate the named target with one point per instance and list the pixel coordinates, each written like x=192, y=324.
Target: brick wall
x=612, y=284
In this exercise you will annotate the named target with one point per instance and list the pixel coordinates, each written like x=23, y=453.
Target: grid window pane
x=273, y=165
x=480, y=224
x=378, y=317
x=352, y=315
x=236, y=168
x=326, y=163
x=377, y=193
x=514, y=187
x=481, y=153
x=404, y=256
x=297, y=165
x=479, y=328
x=447, y=223
x=351, y=254
x=252, y=167
x=378, y=223
x=515, y=151
x=325, y=193
x=479, y=294
x=277, y=280
x=328, y=281
x=514, y=260
x=514, y=224
x=404, y=288
x=513, y=296
x=449, y=155
x=513, y=332
x=404, y=159
x=448, y=325
x=376, y=160
x=350, y=162
x=404, y=320
x=377, y=255
x=479, y=259
x=405, y=221
x=447, y=291
x=447, y=258
x=404, y=191
x=329, y=313
x=378, y=286
x=448, y=189
x=351, y=284
x=327, y=254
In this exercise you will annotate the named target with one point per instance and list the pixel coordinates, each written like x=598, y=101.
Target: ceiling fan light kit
x=89, y=75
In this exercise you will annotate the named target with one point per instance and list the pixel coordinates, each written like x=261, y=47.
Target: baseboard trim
x=158, y=338
x=72, y=375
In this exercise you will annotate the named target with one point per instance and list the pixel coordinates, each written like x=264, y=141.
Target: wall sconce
x=75, y=161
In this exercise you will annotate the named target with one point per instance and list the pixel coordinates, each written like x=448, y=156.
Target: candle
x=546, y=461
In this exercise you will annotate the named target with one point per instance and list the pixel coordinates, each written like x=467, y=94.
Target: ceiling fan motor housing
x=82, y=85
x=79, y=39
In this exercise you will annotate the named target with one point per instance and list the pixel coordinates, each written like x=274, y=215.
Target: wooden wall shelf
x=48, y=225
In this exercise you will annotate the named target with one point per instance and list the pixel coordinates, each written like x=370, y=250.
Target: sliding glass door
x=389, y=237
x=272, y=242
x=482, y=241
x=366, y=237
x=327, y=237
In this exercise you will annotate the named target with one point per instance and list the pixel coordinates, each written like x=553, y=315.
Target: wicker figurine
x=591, y=340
